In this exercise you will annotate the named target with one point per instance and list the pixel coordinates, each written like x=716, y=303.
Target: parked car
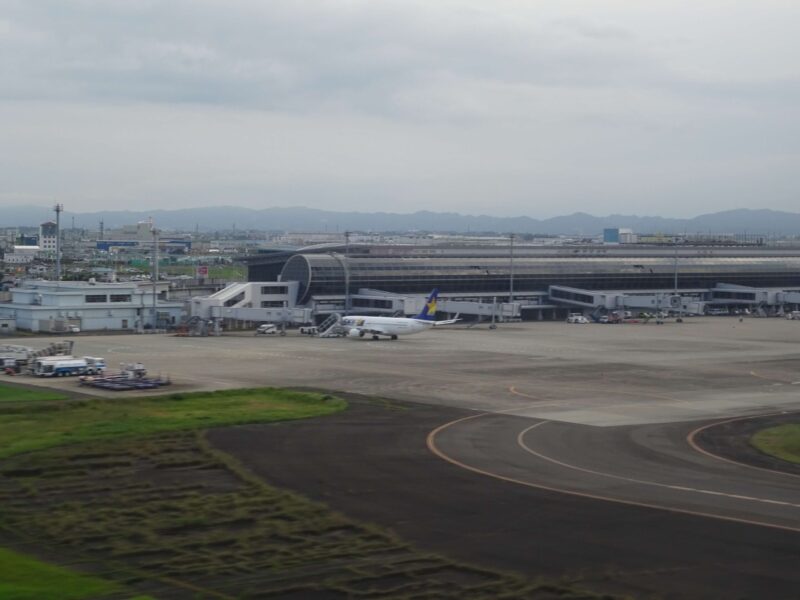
x=577, y=318
x=267, y=329
x=73, y=329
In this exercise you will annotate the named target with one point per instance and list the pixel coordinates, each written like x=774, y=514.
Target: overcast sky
x=508, y=108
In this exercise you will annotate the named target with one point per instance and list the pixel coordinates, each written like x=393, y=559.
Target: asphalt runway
x=565, y=450
x=373, y=463
x=653, y=466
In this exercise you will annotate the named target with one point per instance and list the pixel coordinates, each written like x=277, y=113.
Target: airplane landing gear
x=394, y=337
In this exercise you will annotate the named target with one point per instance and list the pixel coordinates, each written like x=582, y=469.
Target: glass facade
x=324, y=274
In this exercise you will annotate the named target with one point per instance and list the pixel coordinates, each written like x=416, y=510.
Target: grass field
x=782, y=442
x=10, y=393
x=47, y=421
x=131, y=492
x=54, y=424
x=25, y=578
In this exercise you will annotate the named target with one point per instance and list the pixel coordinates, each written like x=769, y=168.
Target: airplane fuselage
x=361, y=326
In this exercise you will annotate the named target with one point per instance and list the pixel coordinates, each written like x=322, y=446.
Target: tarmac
x=568, y=450
x=599, y=375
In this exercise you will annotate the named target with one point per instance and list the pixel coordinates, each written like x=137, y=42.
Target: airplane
x=359, y=326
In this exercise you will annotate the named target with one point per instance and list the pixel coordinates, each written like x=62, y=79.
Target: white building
x=48, y=236
x=22, y=255
x=53, y=306
x=252, y=301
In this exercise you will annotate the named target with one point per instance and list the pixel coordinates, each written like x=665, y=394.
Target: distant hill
x=763, y=221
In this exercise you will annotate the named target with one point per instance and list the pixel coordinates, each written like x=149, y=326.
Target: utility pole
x=346, y=273
x=511, y=273
x=154, y=275
x=680, y=300
x=59, y=209
x=675, y=244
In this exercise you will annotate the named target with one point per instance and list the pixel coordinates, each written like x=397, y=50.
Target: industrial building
x=139, y=237
x=57, y=306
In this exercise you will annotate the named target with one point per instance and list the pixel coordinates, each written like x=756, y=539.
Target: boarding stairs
x=331, y=327
x=196, y=327
x=760, y=310
x=55, y=349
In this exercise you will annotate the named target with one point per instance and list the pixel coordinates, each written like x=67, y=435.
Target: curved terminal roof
x=321, y=274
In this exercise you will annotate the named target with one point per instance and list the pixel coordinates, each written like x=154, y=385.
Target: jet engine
x=354, y=333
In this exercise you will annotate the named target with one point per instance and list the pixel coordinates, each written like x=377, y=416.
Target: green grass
x=48, y=424
x=25, y=578
x=782, y=442
x=63, y=423
x=15, y=394
x=147, y=501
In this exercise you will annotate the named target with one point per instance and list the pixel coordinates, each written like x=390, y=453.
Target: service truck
x=59, y=366
x=95, y=365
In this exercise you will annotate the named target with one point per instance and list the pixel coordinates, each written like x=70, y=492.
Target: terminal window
x=274, y=289
x=89, y=298
x=120, y=297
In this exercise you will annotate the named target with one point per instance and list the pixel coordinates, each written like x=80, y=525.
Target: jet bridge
x=295, y=316
x=762, y=301
x=599, y=301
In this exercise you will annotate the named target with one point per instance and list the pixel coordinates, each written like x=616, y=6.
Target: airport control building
x=527, y=282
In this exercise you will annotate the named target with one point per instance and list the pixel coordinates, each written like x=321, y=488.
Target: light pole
x=680, y=300
x=58, y=208
x=675, y=245
x=154, y=277
x=346, y=273
x=511, y=270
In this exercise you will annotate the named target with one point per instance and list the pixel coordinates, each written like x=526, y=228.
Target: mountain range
x=758, y=222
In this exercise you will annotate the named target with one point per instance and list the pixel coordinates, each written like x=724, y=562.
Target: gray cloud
x=672, y=108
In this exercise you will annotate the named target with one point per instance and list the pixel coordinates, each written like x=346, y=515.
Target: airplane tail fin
x=429, y=310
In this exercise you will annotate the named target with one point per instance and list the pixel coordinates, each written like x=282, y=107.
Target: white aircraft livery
x=358, y=326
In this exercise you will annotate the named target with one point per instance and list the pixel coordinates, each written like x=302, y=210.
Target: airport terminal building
x=529, y=282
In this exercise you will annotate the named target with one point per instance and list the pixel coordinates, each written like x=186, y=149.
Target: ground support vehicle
x=269, y=329
x=59, y=366
x=577, y=318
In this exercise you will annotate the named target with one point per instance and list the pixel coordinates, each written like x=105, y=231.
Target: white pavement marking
x=521, y=442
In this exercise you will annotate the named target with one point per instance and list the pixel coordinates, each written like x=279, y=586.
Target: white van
x=266, y=329
x=577, y=318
